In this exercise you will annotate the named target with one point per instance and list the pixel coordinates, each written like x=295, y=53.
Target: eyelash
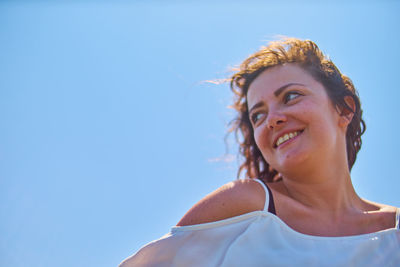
x=285, y=100
x=254, y=117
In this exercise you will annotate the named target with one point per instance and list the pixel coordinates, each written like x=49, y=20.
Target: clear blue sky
x=108, y=133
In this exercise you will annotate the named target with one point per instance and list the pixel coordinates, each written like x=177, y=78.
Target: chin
x=292, y=161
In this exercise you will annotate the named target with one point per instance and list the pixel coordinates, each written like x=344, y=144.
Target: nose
x=275, y=119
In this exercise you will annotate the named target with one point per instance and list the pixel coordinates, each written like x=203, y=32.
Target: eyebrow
x=282, y=88
x=276, y=93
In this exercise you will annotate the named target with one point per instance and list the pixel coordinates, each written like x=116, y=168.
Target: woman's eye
x=256, y=117
x=290, y=96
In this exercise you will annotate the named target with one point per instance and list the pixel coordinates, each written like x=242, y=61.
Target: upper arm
x=233, y=199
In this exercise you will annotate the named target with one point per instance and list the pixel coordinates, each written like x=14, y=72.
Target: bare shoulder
x=127, y=262
x=230, y=200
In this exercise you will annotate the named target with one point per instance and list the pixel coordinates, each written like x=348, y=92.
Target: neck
x=328, y=191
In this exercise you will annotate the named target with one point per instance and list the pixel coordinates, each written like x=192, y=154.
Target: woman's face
x=295, y=124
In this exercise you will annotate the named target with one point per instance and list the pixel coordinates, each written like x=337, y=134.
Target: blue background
x=109, y=131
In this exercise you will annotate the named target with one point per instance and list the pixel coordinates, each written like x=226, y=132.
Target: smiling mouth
x=286, y=137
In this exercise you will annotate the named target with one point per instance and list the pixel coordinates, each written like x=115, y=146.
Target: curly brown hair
x=309, y=57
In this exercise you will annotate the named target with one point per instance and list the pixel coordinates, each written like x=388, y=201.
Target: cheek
x=258, y=137
x=324, y=124
x=261, y=139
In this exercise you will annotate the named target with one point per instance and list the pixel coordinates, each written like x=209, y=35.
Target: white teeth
x=286, y=137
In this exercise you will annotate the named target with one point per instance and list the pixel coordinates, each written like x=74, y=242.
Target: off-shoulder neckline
x=282, y=224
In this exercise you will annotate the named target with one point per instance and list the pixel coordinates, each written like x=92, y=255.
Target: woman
x=301, y=124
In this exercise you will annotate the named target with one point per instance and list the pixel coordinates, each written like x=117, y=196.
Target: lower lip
x=284, y=144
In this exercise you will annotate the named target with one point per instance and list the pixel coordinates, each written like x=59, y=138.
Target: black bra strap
x=271, y=205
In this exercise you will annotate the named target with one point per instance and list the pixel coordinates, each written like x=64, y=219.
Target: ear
x=346, y=115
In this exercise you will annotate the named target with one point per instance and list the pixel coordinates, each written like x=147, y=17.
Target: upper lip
x=283, y=133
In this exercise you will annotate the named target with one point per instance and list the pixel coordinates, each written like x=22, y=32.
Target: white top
x=260, y=238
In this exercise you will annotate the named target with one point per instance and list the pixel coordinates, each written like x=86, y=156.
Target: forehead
x=272, y=79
